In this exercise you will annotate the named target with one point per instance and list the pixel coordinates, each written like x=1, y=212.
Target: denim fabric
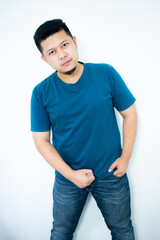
x=112, y=196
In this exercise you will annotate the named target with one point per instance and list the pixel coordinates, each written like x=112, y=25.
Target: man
x=77, y=102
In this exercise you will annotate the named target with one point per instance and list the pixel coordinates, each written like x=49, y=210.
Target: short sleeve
x=122, y=96
x=39, y=117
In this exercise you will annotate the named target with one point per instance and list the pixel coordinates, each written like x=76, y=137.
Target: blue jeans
x=112, y=196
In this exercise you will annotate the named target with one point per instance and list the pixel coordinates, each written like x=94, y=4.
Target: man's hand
x=82, y=178
x=121, y=164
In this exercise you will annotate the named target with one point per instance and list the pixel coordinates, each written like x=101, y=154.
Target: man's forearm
x=50, y=154
x=129, y=134
x=81, y=178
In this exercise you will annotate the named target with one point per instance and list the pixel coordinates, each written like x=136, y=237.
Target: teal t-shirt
x=81, y=116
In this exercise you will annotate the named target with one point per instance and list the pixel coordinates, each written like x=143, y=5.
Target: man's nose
x=61, y=54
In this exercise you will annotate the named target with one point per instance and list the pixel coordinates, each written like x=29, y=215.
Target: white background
x=124, y=34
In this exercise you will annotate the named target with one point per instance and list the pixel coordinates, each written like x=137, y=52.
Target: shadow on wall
x=91, y=224
x=4, y=231
x=82, y=217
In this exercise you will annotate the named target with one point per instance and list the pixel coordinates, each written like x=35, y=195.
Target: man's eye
x=65, y=44
x=52, y=52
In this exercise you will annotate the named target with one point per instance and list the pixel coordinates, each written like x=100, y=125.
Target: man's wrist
x=126, y=156
x=69, y=173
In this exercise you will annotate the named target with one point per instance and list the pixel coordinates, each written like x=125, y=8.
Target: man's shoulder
x=99, y=66
x=44, y=84
x=100, y=69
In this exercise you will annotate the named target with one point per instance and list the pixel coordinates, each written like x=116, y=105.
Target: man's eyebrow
x=59, y=44
x=50, y=49
x=63, y=41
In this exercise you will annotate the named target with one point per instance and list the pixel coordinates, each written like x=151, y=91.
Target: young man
x=77, y=102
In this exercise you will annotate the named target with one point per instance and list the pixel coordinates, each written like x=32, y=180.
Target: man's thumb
x=88, y=172
x=112, y=167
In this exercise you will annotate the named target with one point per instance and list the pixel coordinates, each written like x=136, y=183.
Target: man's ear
x=43, y=58
x=75, y=41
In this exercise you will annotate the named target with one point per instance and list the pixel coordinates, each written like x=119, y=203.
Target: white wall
x=122, y=33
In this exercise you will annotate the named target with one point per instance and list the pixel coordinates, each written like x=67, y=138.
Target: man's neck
x=74, y=77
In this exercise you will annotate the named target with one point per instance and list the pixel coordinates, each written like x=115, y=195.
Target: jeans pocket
x=123, y=176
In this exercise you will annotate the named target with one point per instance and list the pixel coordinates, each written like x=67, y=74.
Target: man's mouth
x=66, y=63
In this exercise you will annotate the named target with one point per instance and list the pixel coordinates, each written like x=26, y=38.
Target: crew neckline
x=71, y=84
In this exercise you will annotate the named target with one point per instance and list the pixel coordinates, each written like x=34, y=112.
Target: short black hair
x=47, y=29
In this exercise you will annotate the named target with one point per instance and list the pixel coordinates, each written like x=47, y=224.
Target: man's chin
x=70, y=71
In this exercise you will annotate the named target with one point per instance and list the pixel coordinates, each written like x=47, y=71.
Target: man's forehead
x=55, y=40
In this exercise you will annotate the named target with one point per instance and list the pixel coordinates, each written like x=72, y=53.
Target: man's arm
x=129, y=133
x=81, y=178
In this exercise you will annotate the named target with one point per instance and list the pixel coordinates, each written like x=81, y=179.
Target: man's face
x=60, y=52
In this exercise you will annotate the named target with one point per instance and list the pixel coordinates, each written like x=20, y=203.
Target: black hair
x=47, y=29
